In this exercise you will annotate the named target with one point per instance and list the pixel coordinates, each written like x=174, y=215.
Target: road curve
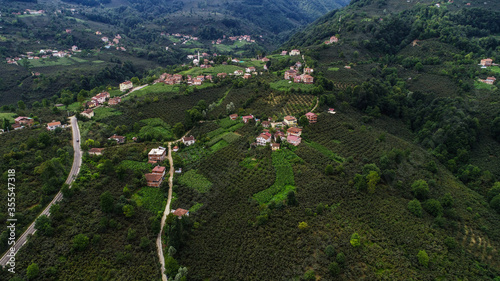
x=159, y=245
x=75, y=169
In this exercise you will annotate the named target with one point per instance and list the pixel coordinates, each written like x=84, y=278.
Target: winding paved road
x=75, y=169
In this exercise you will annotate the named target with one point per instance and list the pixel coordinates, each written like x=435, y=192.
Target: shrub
x=334, y=268
x=355, y=241
x=495, y=203
x=433, y=207
x=450, y=243
x=303, y=225
x=309, y=275
x=340, y=259
x=32, y=271
x=420, y=189
x=447, y=200
x=330, y=251
x=423, y=258
x=415, y=207
x=80, y=242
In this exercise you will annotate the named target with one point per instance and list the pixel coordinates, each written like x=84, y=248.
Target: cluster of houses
x=97, y=100
x=246, y=38
x=484, y=64
x=332, y=40
x=293, y=52
x=489, y=80
x=43, y=54
x=294, y=74
x=292, y=135
x=30, y=12
x=111, y=42
x=22, y=122
x=182, y=37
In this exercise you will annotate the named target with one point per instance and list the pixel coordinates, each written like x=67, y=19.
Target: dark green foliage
x=309, y=275
x=340, y=259
x=495, y=128
x=171, y=266
x=415, y=207
x=44, y=226
x=334, y=268
x=290, y=199
x=420, y=189
x=447, y=201
x=495, y=203
x=32, y=271
x=80, y=242
x=330, y=251
x=107, y=202
x=451, y=243
x=329, y=170
x=433, y=207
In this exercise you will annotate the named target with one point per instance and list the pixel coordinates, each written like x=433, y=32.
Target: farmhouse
x=233, y=116
x=308, y=70
x=159, y=170
x=52, y=126
x=294, y=52
x=238, y=72
x=89, y=113
x=486, y=62
x=157, y=154
x=115, y=101
x=188, y=140
x=294, y=140
x=175, y=149
x=284, y=53
x=275, y=146
x=308, y=79
x=294, y=131
x=154, y=180
x=246, y=118
x=22, y=120
x=290, y=121
x=490, y=80
x=247, y=76
x=290, y=74
x=264, y=139
x=126, y=85
x=333, y=39
x=222, y=75
x=180, y=212
x=118, y=139
x=266, y=124
x=96, y=151
x=250, y=69
x=313, y=118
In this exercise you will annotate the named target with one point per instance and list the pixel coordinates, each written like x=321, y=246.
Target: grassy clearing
x=150, y=198
x=195, y=207
x=53, y=62
x=105, y=112
x=325, y=151
x=333, y=69
x=135, y=165
x=192, y=154
x=158, y=88
x=212, y=70
x=219, y=145
x=155, y=128
x=196, y=181
x=284, y=85
x=284, y=182
x=227, y=122
x=8, y=116
x=249, y=163
x=483, y=86
x=495, y=69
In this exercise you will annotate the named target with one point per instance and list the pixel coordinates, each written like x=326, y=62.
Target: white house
x=53, y=125
x=126, y=85
x=188, y=140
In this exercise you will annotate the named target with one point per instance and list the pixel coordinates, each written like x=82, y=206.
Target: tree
x=419, y=67
x=303, y=121
x=128, y=210
x=495, y=128
x=80, y=242
x=290, y=198
x=415, y=207
x=178, y=129
x=423, y=258
x=171, y=266
x=107, y=202
x=447, y=200
x=135, y=81
x=21, y=105
x=495, y=203
x=32, y=271
x=144, y=243
x=355, y=240
x=171, y=251
x=433, y=207
x=420, y=189
x=44, y=226
x=372, y=179
x=329, y=170
x=334, y=268
x=330, y=251
x=303, y=225
x=340, y=259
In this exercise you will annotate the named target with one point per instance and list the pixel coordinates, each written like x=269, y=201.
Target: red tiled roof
x=180, y=212
x=159, y=169
x=153, y=177
x=54, y=124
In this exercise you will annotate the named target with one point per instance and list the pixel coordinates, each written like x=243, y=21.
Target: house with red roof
x=23, y=120
x=89, y=113
x=275, y=146
x=308, y=79
x=294, y=131
x=247, y=118
x=118, y=139
x=53, y=125
x=188, y=140
x=175, y=149
x=293, y=140
x=486, y=62
x=154, y=180
x=126, y=85
x=96, y=151
x=264, y=139
x=290, y=121
x=313, y=118
x=115, y=101
x=159, y=170
x=180, y=212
